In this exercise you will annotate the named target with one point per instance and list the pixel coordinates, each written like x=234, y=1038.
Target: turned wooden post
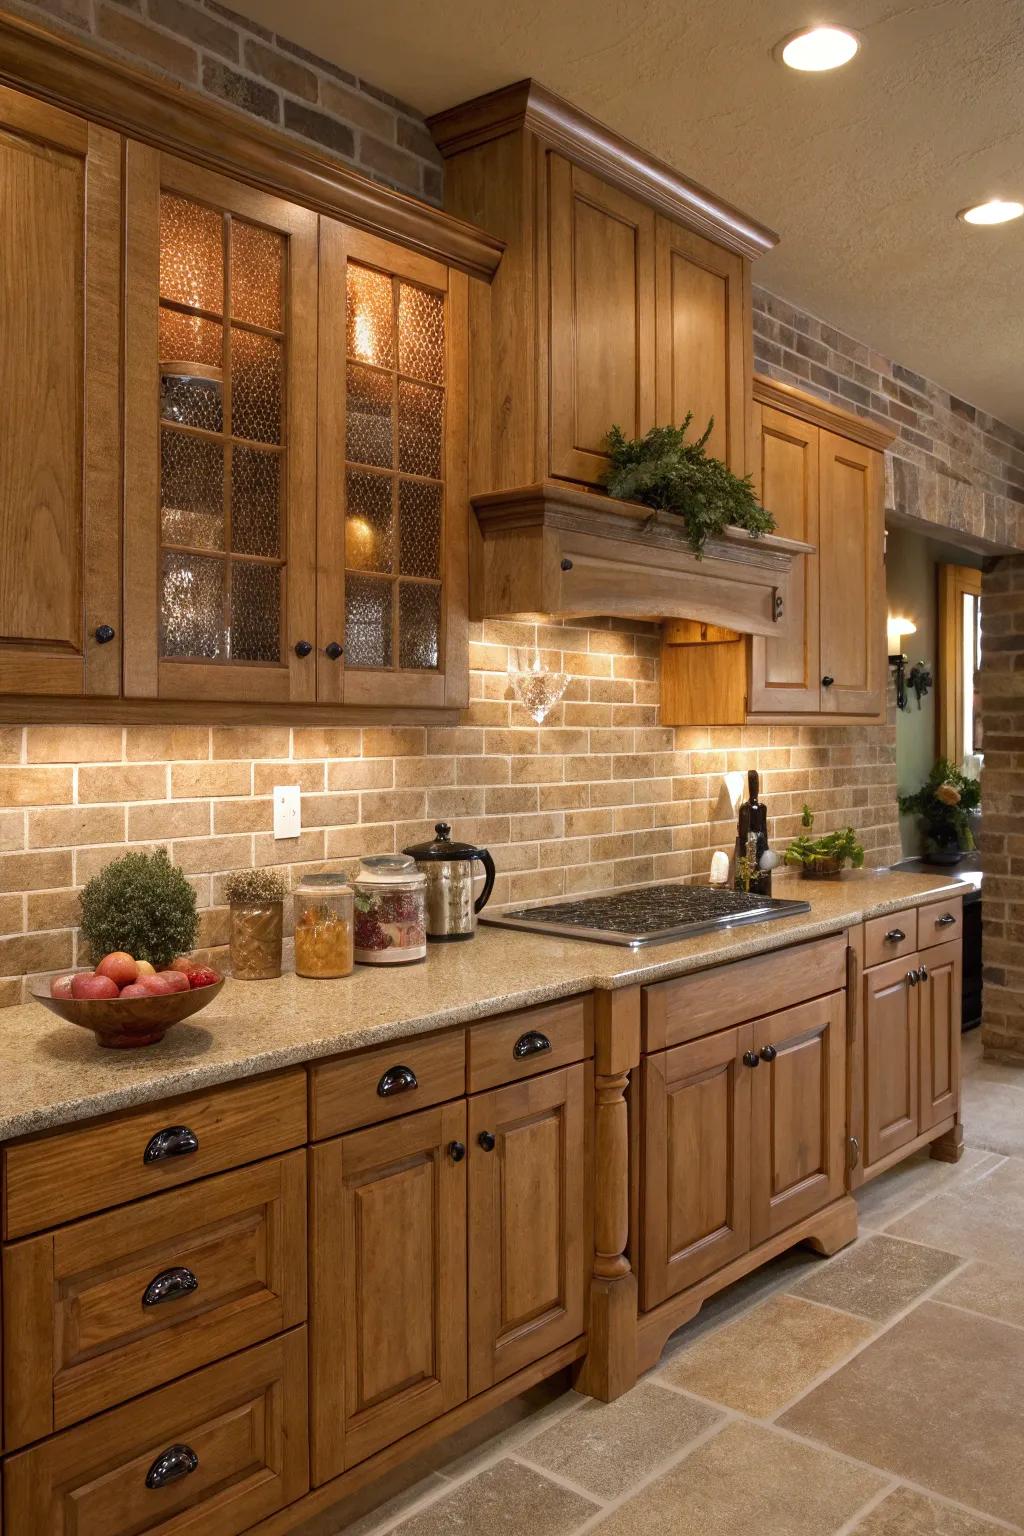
x=610, y=1366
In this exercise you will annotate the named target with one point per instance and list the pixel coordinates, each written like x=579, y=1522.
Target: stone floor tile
x=609, y=1447
x=993, y=1111
x=936, y=1400
x=778, y=1274
x=892, y=1193
x=904, y=1512
x=995, y=1290
x=747, y=1479
x=506, y=1500
x=983, y=1220
x=764, y=1359
x=877, y=1277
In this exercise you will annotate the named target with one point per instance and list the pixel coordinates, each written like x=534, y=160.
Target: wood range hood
x=571, y=553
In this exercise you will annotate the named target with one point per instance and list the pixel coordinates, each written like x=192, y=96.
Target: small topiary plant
x=143, y=904
x=254, y=888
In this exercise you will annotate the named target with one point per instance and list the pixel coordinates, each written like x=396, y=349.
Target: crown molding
x=822, y=413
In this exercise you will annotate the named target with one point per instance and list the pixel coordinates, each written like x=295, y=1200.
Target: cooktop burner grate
x=646, y=914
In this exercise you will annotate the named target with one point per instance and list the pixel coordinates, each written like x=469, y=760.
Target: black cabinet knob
x=456, y=1151
x=104, y=634
x=174, y=1463
x=827, y=681
x=912, y=978
x=170, y=1285
x=396, y=1080
x=566, y=564
x=750, y=1058
x=302, y=647
x=172, y=1141
x=533, y=1043
x=768, y=1053
x=487, y=1141
x=333, y=650
x=922, y=974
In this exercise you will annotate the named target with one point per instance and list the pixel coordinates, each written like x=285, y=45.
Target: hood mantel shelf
x=551, y=548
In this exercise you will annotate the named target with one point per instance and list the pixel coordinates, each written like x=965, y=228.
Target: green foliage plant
x=945, y=805
x=143, y=904
x=664, y=471
x=827, y=854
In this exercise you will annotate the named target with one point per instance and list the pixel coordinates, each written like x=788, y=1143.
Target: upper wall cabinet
x=60, y=218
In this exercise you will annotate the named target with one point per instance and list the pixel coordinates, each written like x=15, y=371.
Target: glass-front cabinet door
x=392, y=556
x=220, y=438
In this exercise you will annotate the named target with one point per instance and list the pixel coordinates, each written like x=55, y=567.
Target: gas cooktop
x=646, y=914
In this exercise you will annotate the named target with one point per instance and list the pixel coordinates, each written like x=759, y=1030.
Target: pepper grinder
x=752, y=842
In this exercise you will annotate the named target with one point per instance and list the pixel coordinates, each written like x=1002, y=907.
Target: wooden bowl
x=122, y=1023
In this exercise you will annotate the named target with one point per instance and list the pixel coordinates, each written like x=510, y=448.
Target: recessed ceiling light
x=818, y=48
x=995, y=211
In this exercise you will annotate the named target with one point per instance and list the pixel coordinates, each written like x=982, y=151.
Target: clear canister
x=390, y=910
x=323, y=926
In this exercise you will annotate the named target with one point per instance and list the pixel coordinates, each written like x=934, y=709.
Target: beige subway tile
x=588, y=877
x=329, y=810
x=537, y=884
x=53, y=909
x=503, y=800
x=636, y=668
x=166, y=743
x=326, y=741
x=148, y=782
x=486, y=831
x=35, y=952
x=581, y=664
x=77, y=827
x=236, y=741
x=635, y=714
x=614, y=792
x=450, y=802
x=238, y=815
x=539, y=824
x=512, y=856
x=563, y=852
x=268, y=849
x=454, y=741
x=36, y=786
x=391, y=805
x=90, y=860
x=394, y=741
x=73, y=743
x=12, y=914
x=11, y=991
x=535, y=770
x=592, y=715
x=361, y=773
x=207, y=781
x=588, y=823
x=410, y=833
x=592, y=768
x=487, y=712
x=208, y=855
x=12, y=830
x=10, y=743
x=610, y=691
x=488, y=658
x=633, y=818
x=563, y=797
x=214, y=927
x=616, y=845
x=507, y=632
x=657, y=840
x=482, y=770
x=562, y=637
x=611, y=643
x=619, y=741
x=558, y=741
x=512, y=743
x=423, y=772
x=355, y=842
x=186, y=818
x=654, y=738
x=651, y=791
x=309, y=777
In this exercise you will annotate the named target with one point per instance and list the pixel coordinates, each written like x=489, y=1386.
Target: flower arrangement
x=824, y=858
x=945, y=807
x=254, y=887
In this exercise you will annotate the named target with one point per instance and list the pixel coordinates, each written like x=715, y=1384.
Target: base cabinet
x=939, y=994
x=891, y=1075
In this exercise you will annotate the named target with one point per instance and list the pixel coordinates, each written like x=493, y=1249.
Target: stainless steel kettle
x=449, y=871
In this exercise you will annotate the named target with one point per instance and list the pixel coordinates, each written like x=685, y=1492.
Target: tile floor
x=879, y=1393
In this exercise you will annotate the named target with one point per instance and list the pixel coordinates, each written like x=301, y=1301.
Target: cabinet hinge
x=852, y=1152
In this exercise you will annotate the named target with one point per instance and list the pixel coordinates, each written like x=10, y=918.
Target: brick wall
x=223, y=55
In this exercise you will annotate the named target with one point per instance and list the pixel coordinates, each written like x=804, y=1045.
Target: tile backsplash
x=599, y=795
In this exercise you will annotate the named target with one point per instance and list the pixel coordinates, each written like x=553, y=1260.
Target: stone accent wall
x=221, y=54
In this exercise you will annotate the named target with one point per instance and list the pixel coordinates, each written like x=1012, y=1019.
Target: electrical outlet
x=287, y=810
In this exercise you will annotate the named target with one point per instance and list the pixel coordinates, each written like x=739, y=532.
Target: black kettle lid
x=442, y=847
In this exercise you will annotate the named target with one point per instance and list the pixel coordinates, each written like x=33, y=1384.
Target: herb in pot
x=141, y=904
x=945, y=806
x=824, y=858
x=257, y=923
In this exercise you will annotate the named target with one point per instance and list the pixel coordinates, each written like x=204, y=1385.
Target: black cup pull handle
x=176, y=1462
x=895, y=936
x=169, y=1285
x=533, y=1043
x=396, y=1080
x=945, y=920
x=172, y=1141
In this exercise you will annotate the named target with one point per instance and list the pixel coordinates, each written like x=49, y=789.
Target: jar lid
x=324, y=882
x=388, y=869
x=442, y=847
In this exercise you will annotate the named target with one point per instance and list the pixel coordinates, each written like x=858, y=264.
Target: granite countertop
x=52, y=1073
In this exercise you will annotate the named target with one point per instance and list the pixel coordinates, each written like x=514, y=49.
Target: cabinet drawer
x=362, y=1090
x=74, y=1172
x=116, y=1305
x=235, y=1435
x=939, y=922
x=890, y=937
x=532, y=1040
x=692, y=1006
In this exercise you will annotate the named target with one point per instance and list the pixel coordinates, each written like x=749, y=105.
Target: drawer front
x=72, y=1173
x=890, y=937
x=533, y=1040
x=362, y=1090
x=733, y=993
x=116, y=1305
x=940, y=922
x=213, y=1455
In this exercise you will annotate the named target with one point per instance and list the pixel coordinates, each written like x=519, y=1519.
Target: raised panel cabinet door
x=392, y=529
x=529, y=1225
x=785, y=673
x=891, y=1059
x=388, y=1258
x=602, y=361
x=60, y=478
x=695, y=1194
x=798, y=1114
x=851, y=577
x=703, y=322
x=220, y=437
x=939, y=994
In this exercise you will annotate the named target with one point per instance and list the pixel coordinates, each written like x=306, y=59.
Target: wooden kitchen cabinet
x=939, y=995
x=60, y=223
x=851, y=577
x=891, y=1058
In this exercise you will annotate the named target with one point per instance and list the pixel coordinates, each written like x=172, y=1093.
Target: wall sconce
x=896, y=631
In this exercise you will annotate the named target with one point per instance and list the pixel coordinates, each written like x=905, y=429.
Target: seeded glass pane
x=421, y=333
x=187, y=338
x=367, y=622
x=191, y=491
x=371, y=320
x=420, y=417
x=192, y=606
x=255, y=387
x=192, y=401
x=191, y=253
x=369, y=433
x=419, y=624
x=255, y=502
x=257, y=274
x=419, y=528
x=255, y=612
x=369, y=542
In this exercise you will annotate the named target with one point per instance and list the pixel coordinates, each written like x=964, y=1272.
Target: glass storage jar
x=390, y=910
x=323, y=926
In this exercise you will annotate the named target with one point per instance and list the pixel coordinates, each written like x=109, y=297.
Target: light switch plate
x=287, y=810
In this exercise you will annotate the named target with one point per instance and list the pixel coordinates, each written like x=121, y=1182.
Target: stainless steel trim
x=639, y=940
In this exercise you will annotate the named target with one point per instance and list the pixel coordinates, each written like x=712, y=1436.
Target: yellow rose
x=948, y=794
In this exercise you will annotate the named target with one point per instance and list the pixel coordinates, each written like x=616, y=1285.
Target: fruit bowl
x=124, y=1022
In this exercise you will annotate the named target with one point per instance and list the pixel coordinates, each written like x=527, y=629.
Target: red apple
x=184, y=963
x=88, y=985
x=60, y=986
x=177, y=980
x=135, y=989
x=119, y=966
x=144, y=968
x=156, y=986
x=202, y=976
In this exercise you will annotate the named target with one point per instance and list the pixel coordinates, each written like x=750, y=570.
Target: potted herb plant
x=945, y=807
x=142, y=904
x=256, y=897
x=824, y=858
x=664, y=471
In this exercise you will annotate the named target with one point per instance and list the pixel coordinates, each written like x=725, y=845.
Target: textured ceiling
x=861, y=171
